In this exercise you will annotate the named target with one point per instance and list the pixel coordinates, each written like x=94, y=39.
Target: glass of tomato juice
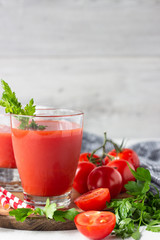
x=47, y=152
x=9, y=177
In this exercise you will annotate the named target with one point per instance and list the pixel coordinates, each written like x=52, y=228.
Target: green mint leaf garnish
x=12, y=105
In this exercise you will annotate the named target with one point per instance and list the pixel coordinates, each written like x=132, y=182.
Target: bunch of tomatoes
x=99, y=179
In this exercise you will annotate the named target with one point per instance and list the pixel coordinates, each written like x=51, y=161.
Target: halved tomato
x=94, y=224
x=93, y=200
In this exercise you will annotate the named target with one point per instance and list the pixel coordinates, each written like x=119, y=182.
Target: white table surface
x=6, y=234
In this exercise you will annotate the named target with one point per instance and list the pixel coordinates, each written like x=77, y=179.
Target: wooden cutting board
x=39, y=223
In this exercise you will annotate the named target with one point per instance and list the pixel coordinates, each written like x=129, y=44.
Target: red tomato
x=105, y=177
x=82, y=172
x=93, y=200
x=128, y=155
x=123, y=169
x=94, y=224
x=84, y=157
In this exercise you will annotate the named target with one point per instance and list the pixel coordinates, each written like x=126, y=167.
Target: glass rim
x=75, y=113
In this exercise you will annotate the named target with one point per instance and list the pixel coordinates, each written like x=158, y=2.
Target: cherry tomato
x=128, y=155
x=94, y=224
x=93, y=200
x=82, y=172
x=84, y=157
x=123, y=169
x=105, y=177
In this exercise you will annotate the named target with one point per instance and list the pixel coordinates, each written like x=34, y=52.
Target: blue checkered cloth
x=148, y=152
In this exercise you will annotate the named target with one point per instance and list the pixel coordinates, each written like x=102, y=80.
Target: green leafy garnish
x=51, y=211
x=141, y=208
x=12, y=105
x=21, y=213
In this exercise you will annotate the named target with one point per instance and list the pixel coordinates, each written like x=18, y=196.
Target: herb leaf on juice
x=141, y=208
x=12, y=105
x=51, y=211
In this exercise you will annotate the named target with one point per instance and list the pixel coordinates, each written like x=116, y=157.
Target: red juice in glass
x=9, y=177
x=47, y=159
x=7, y=159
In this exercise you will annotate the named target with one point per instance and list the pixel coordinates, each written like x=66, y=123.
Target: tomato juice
x=47, y=159
x=7, y=159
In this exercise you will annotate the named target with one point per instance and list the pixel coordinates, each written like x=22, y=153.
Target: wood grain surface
x=39, y=223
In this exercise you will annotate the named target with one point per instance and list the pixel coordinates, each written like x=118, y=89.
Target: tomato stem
x=91, y=158
x=110, y=156
x=98, y=161
x=118, y=149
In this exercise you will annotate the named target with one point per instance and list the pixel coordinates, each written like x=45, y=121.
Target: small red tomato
x=127, y=155
x=105, y=177
x=84, y=157
x=123, y=169
x=82, y=172
x=93, y=200
x=94, y=224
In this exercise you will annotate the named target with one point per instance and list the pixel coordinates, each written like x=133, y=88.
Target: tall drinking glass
x=9, y=177
x=47, y=150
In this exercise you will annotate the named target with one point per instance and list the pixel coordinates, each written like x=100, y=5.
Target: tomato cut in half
x=93, y=200
x=94, y=224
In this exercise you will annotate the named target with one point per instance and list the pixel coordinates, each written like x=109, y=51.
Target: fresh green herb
x=21, y=213
x=51, y=211
x=12, y=105
x=141, y=208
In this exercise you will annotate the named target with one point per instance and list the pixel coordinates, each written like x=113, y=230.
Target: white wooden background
x=101, y=56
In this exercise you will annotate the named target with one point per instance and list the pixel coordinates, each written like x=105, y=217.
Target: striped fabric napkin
x=148, y=152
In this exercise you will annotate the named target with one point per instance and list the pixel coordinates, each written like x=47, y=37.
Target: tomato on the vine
x=85, y=157
x=82, y=172
x=126, y=154
x=122, y=167
x=93, y=200
x=94, y=224
x=105, y=177
x=88, y=157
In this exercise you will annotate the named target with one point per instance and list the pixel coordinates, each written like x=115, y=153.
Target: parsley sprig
x=51, y=211
x=142, y=208
x=12, y=105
